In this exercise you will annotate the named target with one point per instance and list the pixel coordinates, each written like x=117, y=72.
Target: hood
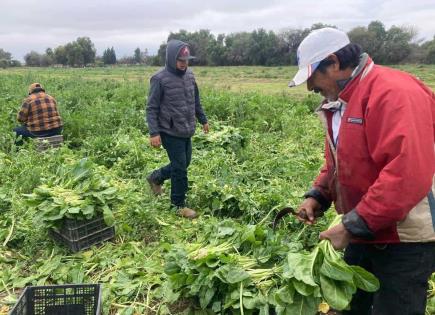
x=172, y=49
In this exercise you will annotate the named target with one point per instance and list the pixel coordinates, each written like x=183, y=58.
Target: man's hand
x=205, y=128
x=155, y=141
x=309, y=210
x=338, y=235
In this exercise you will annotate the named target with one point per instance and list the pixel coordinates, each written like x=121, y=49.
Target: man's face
x=182, y=64
x=324, y=83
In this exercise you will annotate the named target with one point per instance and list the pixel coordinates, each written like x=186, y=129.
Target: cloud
x=29, y=25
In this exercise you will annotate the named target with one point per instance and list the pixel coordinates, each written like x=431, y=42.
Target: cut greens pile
x=236, y=269
x=79, y=190
x=227, y=137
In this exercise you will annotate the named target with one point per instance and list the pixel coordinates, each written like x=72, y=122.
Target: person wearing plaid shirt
x=39, y=115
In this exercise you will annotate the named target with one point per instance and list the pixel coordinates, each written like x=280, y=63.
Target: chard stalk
x=10, y=233
x=241, y=298
x=301, y=232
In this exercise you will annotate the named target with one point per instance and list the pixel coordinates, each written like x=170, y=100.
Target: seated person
x=38, y=115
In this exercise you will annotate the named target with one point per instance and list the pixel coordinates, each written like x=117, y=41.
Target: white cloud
x=35, y=25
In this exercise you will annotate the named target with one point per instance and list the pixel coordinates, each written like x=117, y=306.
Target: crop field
x=263, y=151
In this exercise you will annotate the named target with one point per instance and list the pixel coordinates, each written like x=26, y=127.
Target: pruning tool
x=288, y=210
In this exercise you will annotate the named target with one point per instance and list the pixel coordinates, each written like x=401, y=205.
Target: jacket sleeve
x=399, y=133
x=153, y=106
x=199, y=112
x=320, y=190
x=24, y=112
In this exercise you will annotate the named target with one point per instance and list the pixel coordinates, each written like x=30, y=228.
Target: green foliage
x=109, y=56
x=80, y=52
x=264, y=148
x=235, y=267
x=33, y=59
x=77, y=191
x=431, y=298
x=390, y=46
x=7, y=61
x=4, y=55
x=267, y=48
x=259, y=47
x=429, y=48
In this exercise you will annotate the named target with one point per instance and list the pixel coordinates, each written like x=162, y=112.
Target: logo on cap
x=184, y=52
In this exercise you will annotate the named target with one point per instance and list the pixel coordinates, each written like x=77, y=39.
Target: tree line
x=7, y=61
x=79, y=53
x=267, y=48
x=398, y=44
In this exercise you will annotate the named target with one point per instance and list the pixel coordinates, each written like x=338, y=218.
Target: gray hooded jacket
x=173, y=100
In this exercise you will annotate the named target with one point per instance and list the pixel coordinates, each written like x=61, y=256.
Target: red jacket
x=383, y=168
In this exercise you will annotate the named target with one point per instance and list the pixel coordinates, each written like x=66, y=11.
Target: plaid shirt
x=39, y=112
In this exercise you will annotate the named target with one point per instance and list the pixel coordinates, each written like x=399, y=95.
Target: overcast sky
x=37, y=24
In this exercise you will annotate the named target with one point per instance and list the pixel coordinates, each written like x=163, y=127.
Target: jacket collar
x=365, y=66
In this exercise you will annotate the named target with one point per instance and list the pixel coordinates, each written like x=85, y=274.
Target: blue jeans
x=26, y=133
x=403, y=271
x=179, y=151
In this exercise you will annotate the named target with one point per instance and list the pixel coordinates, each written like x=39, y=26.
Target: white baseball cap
x=318, y=45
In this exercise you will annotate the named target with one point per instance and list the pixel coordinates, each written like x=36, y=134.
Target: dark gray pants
x=403, y=271
x=179, y=151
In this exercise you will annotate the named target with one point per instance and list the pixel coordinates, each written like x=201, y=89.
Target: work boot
x=155, y=188
x=187, y=213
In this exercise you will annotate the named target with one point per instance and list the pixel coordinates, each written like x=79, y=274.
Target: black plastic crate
x=82, y=234
x=69, y=299
x=77, y=229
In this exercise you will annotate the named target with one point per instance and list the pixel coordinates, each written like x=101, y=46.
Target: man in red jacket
x=379, y=169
